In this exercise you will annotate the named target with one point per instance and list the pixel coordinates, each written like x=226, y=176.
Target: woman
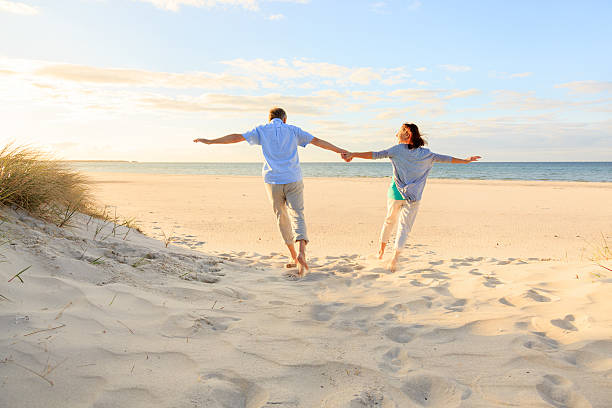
x=411, y=165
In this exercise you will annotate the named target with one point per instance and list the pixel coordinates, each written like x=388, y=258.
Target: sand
x=497, y=302
x=344, y=216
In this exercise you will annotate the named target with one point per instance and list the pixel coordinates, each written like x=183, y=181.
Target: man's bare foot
x=302, y=265
x=291, y=265
x=392, y=265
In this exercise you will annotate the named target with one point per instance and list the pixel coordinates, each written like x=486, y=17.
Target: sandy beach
x=499, y=300
x=561, y=220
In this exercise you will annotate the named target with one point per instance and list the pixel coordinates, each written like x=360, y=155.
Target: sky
x=140, y=79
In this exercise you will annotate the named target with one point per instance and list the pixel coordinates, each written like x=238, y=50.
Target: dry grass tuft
x=42, y=185
x=601, y=254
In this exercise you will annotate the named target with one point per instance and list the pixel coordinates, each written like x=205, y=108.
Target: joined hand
x=347, y=156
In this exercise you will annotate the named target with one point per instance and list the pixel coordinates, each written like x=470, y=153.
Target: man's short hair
x=278, y=113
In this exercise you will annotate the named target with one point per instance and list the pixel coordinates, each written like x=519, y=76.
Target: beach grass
x=41, y=185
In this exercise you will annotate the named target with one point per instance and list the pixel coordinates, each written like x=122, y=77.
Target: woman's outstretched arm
x=465, y=161
x=360, y=155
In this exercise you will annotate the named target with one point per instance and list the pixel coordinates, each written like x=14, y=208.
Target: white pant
x=288, y=205
x=406, y=211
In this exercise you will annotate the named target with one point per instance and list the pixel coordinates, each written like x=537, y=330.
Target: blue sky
x=139, y=79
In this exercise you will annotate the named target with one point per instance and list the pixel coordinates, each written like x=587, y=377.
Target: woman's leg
x=406, y=221
x=393, y=210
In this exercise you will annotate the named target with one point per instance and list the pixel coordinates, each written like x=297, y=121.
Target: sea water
x=554, y=171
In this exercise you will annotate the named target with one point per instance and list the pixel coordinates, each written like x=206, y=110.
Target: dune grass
x=41, y=185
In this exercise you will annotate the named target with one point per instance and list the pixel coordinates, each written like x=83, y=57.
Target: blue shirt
x=411, y=168
x=279, y=143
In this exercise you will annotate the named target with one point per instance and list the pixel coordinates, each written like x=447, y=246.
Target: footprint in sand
x=534, y=295
x=492, y=281
x=560, y=392
x=397, y=360
x=414, y=306
x=136, y=397
x=218, y=390
x=350, y=398
x=595, y=356
x=565, y=323
x=435, y=391
x=402, y=334
x=325, y=311
x=457, y=306
x=541, y=343
x=190, y=325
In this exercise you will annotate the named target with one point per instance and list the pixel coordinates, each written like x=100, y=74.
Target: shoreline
x=429, y=179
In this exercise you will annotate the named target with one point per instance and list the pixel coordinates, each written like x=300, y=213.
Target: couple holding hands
x=283, y=179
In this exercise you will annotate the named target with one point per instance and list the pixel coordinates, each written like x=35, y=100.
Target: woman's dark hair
x=416, y=140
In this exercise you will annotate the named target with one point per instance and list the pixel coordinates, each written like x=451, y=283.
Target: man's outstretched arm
x=326, y=145
x=233, y=138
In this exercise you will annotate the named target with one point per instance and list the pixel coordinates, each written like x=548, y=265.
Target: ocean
x=553, y=171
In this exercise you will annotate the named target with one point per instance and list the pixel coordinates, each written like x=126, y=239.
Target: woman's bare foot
x=301, y=264
x=381, y=251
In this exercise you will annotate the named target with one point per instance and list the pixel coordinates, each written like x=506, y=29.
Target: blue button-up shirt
x=279, y=143
x=411, y=167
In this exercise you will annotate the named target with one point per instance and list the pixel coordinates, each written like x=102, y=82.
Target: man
x=283, y=175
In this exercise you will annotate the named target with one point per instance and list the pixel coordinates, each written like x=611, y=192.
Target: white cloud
x=379, y=7
x=282, y=69
x=421, y=83
x=505, y=75
x=275, y=17
x=363, y=76
x=432, y=96
x=521, y=75
x=587, y=87
x=526, y=101
x=175, y=5
x=417, y=94
x=368, y=96
x=17, y=8
x=463, y=93
x=456, y=68
x=303, y=105
x=134, y=77
x=421, y=69
x=414, y=5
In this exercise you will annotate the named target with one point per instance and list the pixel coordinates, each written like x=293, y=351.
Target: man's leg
x=301, y=258
x=406, y=221
x=294, y=194
x=393, y=210
x=277, y=197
